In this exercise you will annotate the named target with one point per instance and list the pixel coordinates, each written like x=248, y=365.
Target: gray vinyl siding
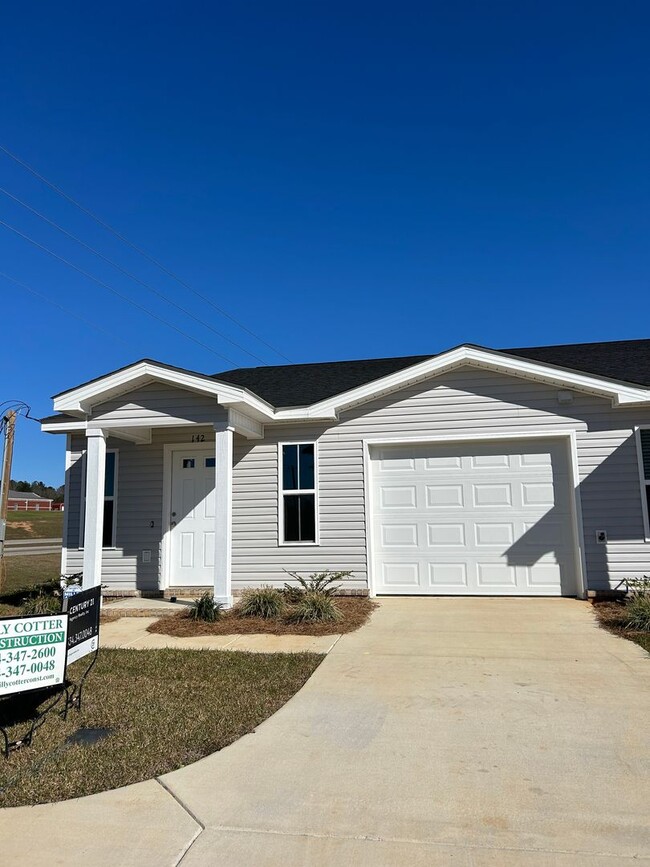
x=460, y=403
x=464, y=402
x=154, y=402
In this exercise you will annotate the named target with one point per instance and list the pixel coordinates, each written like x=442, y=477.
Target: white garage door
x=481, y=518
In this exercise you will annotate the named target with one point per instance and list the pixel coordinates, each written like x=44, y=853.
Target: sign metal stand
x=73, y=691
x=36, y=722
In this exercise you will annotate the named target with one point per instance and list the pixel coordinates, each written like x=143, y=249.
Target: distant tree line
x=40, y=488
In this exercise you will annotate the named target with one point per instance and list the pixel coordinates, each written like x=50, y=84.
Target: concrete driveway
x=449, y=731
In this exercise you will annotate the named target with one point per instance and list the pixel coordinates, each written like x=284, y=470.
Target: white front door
x=473, y=518
x=192, y=518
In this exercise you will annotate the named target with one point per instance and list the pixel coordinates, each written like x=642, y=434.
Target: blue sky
x=348, y=179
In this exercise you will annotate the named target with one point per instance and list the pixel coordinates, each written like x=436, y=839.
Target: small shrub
x=319, y=582
x=205, y=608
x=636, y=614
x=265, y=602
x=316, y=607
x=292, y=594
x=637, y=587
x=42, y=603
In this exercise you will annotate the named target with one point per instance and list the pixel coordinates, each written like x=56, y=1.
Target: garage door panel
x=467, y=519
x=442, y=535
x=544, y=574
x=398, y=497
x=399, y=535
x=444, y=496
x=440, y=464
x=495, y=575
x=537, y=494
x=477, y=462
x=400, y=575
x=491, y=496
x=488, y=534
x=447, y=575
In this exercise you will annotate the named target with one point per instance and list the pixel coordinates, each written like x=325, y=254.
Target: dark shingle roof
x=303, y=384
x=623, y=360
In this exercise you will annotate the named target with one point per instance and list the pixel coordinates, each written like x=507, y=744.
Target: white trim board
x=567, y=434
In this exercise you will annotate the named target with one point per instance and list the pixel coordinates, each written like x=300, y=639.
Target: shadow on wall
x=610, y=501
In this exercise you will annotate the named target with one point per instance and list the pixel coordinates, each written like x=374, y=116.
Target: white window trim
x=643, y=482
x=82, y=517
x=281, y=492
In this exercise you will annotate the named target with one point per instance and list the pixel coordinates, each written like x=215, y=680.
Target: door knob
x=172, y=524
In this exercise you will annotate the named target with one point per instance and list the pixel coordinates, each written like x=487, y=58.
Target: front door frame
x=168, y=467
x=568, y=435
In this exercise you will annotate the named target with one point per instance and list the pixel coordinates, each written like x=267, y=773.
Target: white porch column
x=223, y=514
x=94, y=514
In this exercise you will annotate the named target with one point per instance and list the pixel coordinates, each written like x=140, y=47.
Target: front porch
x=156, y=514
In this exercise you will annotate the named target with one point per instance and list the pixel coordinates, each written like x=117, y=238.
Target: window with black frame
x=110, y=496
x=298, y=486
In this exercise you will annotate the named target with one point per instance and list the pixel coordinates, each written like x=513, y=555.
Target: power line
x=139, y=250
x=115, y=291
x=129, y=275
x=64, y=309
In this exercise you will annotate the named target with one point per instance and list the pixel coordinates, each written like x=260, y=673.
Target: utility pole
x=10, y=431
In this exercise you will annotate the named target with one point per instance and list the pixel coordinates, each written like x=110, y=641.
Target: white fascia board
x=63, y=426
x=82, y=399
x=468, y=355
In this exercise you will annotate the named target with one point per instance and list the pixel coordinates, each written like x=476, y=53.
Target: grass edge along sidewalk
x=163, y=709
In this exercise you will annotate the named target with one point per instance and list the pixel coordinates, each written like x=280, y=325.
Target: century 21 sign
x=32, y=652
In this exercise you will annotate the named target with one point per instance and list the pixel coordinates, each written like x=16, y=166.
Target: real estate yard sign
x=32, y=652
x=83, y=614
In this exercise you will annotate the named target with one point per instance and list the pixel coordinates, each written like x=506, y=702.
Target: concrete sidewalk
x=449, y=731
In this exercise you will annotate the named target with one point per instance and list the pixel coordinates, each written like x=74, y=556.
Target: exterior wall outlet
x=146, y=556
x=601, y=537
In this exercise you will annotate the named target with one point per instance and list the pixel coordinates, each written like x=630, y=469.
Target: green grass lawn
x=164, y=708
x=34, y=525
x=23, y=573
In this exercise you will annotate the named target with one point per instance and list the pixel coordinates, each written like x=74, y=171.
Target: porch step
x=135, y=606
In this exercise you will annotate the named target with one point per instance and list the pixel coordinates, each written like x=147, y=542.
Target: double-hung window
x=298, y=499
x=110, y=502
x=110, y=498
x=644, y=469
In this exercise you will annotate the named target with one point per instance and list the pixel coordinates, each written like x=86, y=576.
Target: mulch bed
x=355, y=609
x=611, y=617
